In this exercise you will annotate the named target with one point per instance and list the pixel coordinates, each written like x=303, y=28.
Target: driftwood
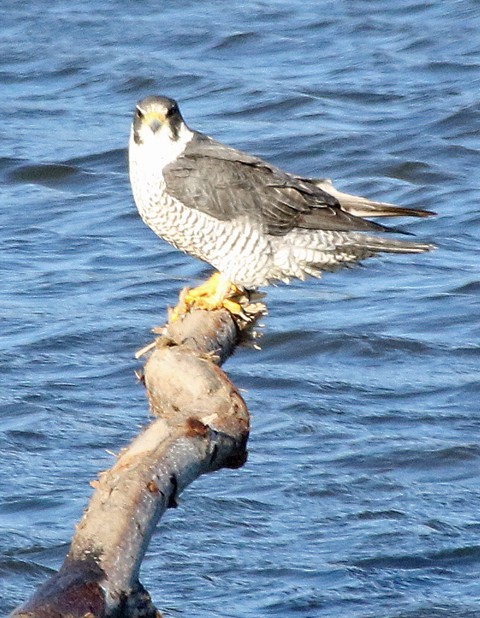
x=202, y=425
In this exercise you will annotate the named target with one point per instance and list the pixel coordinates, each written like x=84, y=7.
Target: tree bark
x=202, y=425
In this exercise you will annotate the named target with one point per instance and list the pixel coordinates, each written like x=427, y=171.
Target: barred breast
x=236, y=249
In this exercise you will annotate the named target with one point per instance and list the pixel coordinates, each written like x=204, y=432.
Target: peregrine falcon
x=253, y=222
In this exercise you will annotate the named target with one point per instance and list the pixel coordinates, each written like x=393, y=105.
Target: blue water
x=361, y=495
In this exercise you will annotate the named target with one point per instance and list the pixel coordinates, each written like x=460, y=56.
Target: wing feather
x=228, y=184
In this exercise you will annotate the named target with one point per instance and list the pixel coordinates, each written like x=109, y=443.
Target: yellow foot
x=215, y=293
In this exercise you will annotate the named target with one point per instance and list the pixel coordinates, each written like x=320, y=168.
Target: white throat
x=158, y=149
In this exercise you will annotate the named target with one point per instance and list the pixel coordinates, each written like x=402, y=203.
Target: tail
x=362, y=207
x=311, y=253
x=387, y=245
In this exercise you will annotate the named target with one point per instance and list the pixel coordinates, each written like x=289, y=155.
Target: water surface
x=361, y=495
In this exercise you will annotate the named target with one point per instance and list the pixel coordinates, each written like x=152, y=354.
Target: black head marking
x=137, y=121
x=166, y=108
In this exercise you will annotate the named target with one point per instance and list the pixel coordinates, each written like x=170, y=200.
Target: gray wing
x=229, y=184
x=363, y=207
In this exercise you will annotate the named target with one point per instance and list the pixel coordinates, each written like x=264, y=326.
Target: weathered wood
x=202, y=425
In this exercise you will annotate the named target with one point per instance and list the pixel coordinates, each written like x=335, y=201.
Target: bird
x=253, y=222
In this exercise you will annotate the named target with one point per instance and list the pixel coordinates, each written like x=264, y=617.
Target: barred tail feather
x=310, y=254
x=388, y=245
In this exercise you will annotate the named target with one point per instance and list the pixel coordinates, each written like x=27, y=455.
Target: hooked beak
x=154, y=120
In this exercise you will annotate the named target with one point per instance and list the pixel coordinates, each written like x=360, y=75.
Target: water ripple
x=363, y=464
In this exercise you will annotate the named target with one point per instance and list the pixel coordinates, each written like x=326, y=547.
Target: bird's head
x=157, y=118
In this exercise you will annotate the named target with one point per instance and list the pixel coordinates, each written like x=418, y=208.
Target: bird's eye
x=139, y=113
x=170, y=111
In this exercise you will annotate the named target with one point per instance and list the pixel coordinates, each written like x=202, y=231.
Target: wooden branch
x=202, y=425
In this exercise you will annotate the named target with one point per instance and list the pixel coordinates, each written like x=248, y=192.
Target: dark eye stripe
x=171, y=111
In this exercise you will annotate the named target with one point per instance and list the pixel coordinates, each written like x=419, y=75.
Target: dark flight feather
x=228, y=184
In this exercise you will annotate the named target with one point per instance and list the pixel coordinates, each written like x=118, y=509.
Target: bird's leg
x=215, y=293
x=209, y=293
